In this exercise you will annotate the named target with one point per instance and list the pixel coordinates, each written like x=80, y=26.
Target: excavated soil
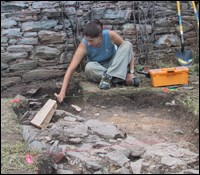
x=150, y=115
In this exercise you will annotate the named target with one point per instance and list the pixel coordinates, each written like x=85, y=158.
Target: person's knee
x=91, y=72
x=127, y=43
x=89, y=67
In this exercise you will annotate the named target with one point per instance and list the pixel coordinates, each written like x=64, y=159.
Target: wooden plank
x=48, y=117
x=43, y=117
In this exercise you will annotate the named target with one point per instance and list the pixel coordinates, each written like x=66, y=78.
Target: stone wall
x=38, y=38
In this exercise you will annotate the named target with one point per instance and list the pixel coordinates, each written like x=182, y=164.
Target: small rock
x=196, y=131
x=178, y=131
x=76, y=107
x=58, y=157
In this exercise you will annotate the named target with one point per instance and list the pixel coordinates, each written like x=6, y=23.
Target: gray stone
x=48, y=37
x=4, y=45
x=11, y=32
x=165, y=30
x=4, y=66
x=39, y=25
x=71, y=119
x=171, y=156
x=7, y=23
x=47, y=53
x=38, y=146
x=98, y=12
x=28, y=65
x=73, y=155
x=30, y=34
x=58, y=28
x=61, y=171
x=122, y=170
x=123, y=150
x=25, y=17
x=131, y=142
x=79, y=130
x=164, y=22
x=29, y=41
x=132, y=29
x=70, y=10
x=2, y=49
x=101, y=144
x=93, y=139
x=80, y=12
x=66, y=3
x=63, y=113
x=44, y=4
x=169, y=40
x=178, y=131
x=155, y=169
x=167, y=149
x=29, y=133
x=196, y=131
x=116, y=158
x=104, y=129
x=171, y=161
x=12, y=41
x=63, y=58
x=4, y=39
x=10, y=81
x=7, y=57
x=111, y=14
x=98, y=172
x=67, y=24
x=75, y=140
x=87, y=147
x=51, y=13
x=41, y=74
x=136, y=166
x=54, y=148
x=13, y=6
x=92, y=165
x=189, y=171
x=19, y=48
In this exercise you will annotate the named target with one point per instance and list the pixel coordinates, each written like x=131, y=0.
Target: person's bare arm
x=130, y=76
x=116, y=38
x=78, y=56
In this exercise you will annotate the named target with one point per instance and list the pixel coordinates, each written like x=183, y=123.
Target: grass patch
x=13, y=158
x=13, y=148
x=194, y=69
x=193, y=104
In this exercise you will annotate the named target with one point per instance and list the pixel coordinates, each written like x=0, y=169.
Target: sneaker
x=116, y=80
x=105, y=82
x=136, y=81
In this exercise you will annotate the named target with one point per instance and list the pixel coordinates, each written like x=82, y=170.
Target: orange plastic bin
x=169, y=76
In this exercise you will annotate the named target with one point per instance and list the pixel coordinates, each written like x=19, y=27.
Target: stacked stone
x=40, y=35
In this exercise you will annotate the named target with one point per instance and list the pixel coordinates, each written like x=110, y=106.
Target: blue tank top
x=100, y=54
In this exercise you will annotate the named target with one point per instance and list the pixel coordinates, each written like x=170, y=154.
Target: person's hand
x=60, y=97
x=129, y=79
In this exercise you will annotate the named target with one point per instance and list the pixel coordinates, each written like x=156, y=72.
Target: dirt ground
x=149, y=114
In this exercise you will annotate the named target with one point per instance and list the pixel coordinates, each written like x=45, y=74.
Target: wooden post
x=43, y=117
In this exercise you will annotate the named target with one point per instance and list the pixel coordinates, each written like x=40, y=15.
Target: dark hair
x=93, y=29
